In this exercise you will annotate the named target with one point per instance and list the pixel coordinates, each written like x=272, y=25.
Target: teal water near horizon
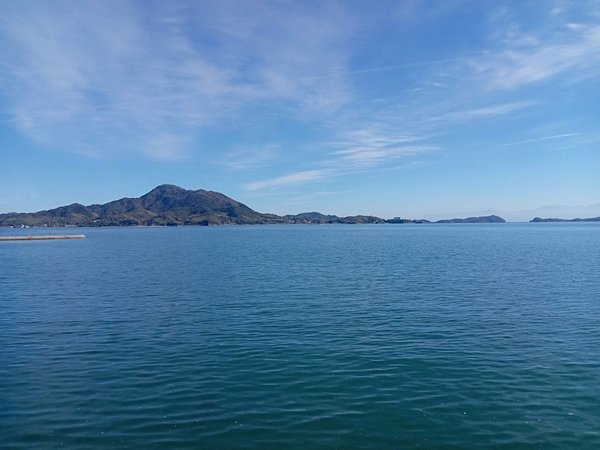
x=270, y=337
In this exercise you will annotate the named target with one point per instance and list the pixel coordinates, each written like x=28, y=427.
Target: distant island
x=169, y=205
x=484, y=219
x=553, y=219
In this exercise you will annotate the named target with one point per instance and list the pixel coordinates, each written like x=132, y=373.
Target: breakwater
x=42, y=237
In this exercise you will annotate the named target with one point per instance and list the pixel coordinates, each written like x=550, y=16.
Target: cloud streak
x=371, y=146
x=542, y=138
x=488, y=111
x=292, y=178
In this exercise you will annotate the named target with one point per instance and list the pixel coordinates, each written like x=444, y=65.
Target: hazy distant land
x=169, y=205
x=554, y=219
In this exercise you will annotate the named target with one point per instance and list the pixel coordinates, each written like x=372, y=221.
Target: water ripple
x=295, y=337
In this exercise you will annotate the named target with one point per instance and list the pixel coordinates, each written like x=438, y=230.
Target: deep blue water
x=377, y=336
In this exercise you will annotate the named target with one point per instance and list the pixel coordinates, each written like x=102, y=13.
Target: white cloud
x=292, y=178
x=541, y=138
x=374, y=146
x=373, y=156
x=488, y=111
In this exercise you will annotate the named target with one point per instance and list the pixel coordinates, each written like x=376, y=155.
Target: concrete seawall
x=42, y=237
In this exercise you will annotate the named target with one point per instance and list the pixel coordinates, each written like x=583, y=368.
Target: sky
x=417, y=109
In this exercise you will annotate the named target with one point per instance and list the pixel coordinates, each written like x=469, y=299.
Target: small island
x=553, y=219
x=480, y=219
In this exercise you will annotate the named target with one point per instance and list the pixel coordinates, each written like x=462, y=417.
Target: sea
x=433, y=336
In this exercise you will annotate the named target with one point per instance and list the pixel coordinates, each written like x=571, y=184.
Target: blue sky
x=402, y=108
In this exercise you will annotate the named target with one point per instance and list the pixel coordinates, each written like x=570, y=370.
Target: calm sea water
x=380, y=336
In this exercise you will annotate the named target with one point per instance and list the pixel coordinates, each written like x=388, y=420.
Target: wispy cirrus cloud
x=355, y=151
x=250, y=158
x=374, y=145
x=487, y=111
x=107, y=77
x=373, y=156
x=292, y=178
x=473, y=88
x=541, y=138
x=566, y=49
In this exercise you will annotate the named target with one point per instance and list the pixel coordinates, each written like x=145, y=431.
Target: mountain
x=552, y=219
x=164, y=205
x=168, y=205
x=480, y=219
